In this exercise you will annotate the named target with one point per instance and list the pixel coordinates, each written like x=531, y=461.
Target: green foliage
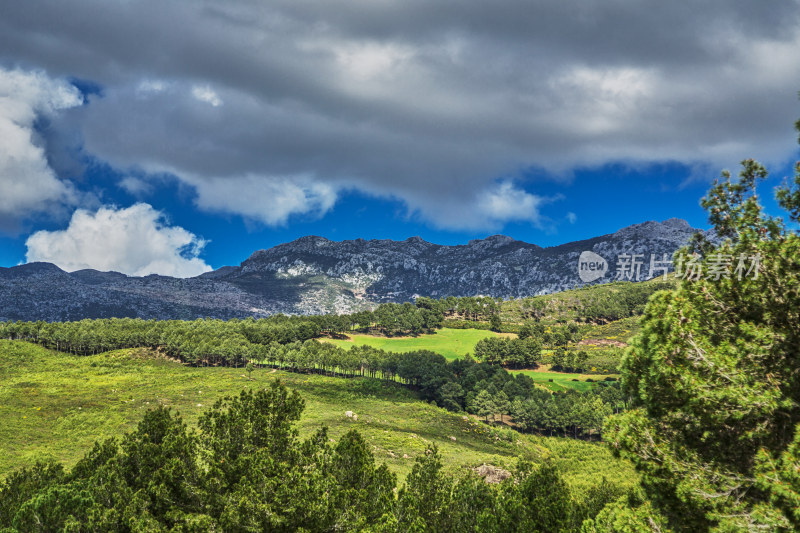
x=365, y=490
x=54, y=406
x=540, y=501
x=207, y=341
x=22, y=485
x=713, y=375
x=569, y=361
x=516, y=353
x=567, y=413
x=422, y=502
x=626, y=516
x=246, y=469
x=469, y=308
x=596, y=303
x=483, y=404
x=561, y=381
x=449, y=342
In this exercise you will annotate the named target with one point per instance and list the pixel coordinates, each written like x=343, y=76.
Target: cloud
x=572, y=217
x=27, y=183
x=206, y=94
x=507, y=202
x=487, y=209
x=268, y=200
x=135, y=241
x=135, y=186
x=423, y=103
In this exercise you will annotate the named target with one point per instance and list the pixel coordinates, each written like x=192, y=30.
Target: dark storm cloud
x=441, y=104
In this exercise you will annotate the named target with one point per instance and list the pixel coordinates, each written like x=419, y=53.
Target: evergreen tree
x=713, y=374
x=483, y=405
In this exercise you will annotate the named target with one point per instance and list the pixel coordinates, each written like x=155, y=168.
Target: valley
x=55, y=405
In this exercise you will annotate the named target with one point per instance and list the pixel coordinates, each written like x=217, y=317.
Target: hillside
x=55, y=405
x=313, y=275
x=594, y=303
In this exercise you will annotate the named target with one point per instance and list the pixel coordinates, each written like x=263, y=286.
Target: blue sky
x=602, y=200
x=135, y=144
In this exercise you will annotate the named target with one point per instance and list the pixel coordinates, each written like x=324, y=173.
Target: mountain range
x=315, y=275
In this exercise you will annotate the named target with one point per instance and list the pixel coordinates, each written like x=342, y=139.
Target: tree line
x=460, y=385
x=469, y=308
x=288, y=343
x=491, y=391
x=525, y=351
x=457, y=385
x=214, y=341
x=246, y=469
x=514, y=353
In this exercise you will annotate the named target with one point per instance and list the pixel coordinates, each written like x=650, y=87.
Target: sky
x=177, y=137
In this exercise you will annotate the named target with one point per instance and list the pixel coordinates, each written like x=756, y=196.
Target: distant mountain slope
x=315, y=275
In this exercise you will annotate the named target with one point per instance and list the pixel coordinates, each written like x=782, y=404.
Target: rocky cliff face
x=315, y=275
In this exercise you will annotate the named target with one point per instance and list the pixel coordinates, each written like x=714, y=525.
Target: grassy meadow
x=560, y=381
x=451, y=343
x=55, y=405
x=454, y=343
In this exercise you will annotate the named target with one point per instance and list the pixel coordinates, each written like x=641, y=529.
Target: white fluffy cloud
x=27, y=183
x=135, y=241
x=488, y=209
x=508, y=203
x=268, y=200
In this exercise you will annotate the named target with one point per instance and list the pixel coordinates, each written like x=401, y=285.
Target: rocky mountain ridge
x=315, y=275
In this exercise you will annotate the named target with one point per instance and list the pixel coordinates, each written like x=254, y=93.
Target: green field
x=454, y=343
x=451, y=343
x=559, y=381
x=54, y=405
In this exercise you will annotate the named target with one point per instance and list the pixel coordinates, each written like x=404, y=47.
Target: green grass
x=454, y=343
x=451, y=343
x=560, y=381
x=54, y=405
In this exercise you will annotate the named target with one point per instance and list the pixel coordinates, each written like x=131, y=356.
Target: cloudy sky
x=175, y=137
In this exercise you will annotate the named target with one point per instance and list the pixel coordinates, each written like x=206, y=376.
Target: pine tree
x=713, y=374
x=483, y=405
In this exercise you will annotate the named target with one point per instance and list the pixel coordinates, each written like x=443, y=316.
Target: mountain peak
x=677, y=223
x=91, y=276
x=312, y=239
x=36, y=267
x=494, y=240
x=655, y=229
